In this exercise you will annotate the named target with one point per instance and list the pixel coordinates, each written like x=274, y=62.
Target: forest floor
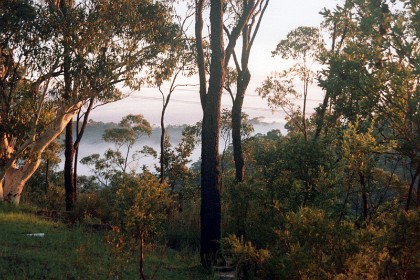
x=32, y=247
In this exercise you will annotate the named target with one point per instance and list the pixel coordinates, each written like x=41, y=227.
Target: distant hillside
x=95, y=130
x=92, y=141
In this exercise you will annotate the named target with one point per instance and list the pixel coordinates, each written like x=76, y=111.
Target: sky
x=281, y=17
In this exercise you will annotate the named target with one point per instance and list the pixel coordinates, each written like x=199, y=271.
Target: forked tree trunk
x=14, y=179
x=244, y=76
x=79, y=135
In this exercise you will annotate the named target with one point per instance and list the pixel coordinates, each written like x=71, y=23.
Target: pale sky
x=281, y=17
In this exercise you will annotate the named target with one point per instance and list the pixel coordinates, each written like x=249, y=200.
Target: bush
x=90, y=208
x=249, y=262
x=312, y=246
x=389, y=250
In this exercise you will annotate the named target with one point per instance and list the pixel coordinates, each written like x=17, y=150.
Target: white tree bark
x=15, y=178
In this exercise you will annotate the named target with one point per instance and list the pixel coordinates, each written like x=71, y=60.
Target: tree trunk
x=210, y=167
x=14, y=179
x=365, y=202
x=320, y=115
x=141, y=261
x=162, y=145
x=410, y=189
x=68, y=167
x=79, y=136
x=68, y=95
x=305, y=95
x=47, y=175
x=75, y=176
x=242, y=83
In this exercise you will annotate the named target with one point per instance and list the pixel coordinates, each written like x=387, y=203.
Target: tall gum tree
x=210, y=96
x=243, y=77
x=102, y=54
x=149, y=33
x=181, y=57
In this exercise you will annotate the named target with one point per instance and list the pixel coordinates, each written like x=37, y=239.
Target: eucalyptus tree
x=181, y=65
x=304, y=46
x=210, y=96
x=130, y=129
x=121, y=159
x=53, y=61
x=373, y=73
x=243, y=77
x=31, y=113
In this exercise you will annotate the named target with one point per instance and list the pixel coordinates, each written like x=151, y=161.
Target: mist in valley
x=92, y=142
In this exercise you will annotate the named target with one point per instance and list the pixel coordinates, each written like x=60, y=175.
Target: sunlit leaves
x=302, y=42
x=279, y=89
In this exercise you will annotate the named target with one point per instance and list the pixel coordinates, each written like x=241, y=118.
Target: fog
x=92, y=143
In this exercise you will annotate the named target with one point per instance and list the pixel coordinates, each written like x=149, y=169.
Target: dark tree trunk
x=47, y=175
x=162, y=148
x=79, y=134
x=210, y=188
x=305, y=95
x=211, y=103
x=68, y=167
x=210, y=167
x=320, y=115
x=410, y=189
x=69, y=150
x=75, y=181
x=242, y=83
x=163, y=135
x=365, y=201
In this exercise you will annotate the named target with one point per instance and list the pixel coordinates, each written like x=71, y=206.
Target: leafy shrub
x=387, y=251
x=142, y=206
x=312, y=246
x=49, y=199
x=90, y=206
x=250, y=262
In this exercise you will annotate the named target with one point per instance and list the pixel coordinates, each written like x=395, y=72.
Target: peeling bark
x=14, y=177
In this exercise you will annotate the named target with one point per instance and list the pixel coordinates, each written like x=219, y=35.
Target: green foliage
x=303, y=42
x=121, y=159
x=142, y=204
x=387, y=250
x=176, y=159
x=249, y=262
x=48, y=72
x=183, y=227
x=311, y=245
x=226, y=126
